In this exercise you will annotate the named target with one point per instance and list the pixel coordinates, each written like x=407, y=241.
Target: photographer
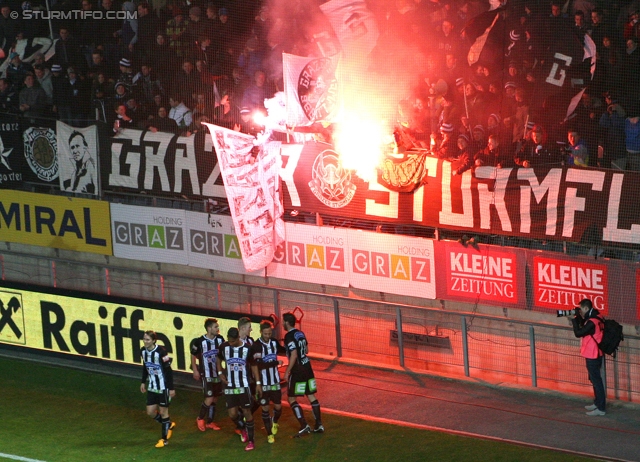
x=588, y=326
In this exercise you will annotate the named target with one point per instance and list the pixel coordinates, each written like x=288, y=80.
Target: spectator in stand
x=478, y=138
x=149, y=85
x=137, y=112
x=197, y=26
x=68, y=51
x=535, y=150
x=177, y=32
x=493, y=155
x=203, y=51
x=163, y=58
x=33, y=99
x=85, y=30
x=579, y=22
x=632, y=27
x=8, y=97
x=107, y=32
x=599, y=27
x=17, y=70
x=613, y=121
x=577, y=150
x=227, y=113
x=122, y=119
x=9, y=28
x=148, y=26
x=187, y=82
x=78, y=98
x=126, y=72
x=465, y=156
x=632, y=139
x=128, y=33
x=162, y=123
x=631, y=70
x=250, y=60
x=446, y=147
x=121, y=93
x=256, y=93
x=98, y=65
x=179, y=112
x=44, y=80
x=210, y=21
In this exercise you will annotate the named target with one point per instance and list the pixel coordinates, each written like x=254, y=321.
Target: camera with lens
x=573, y=312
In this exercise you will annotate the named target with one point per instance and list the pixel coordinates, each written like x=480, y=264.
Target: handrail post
x=400, y=339
x=532, y=345
x=465, y=346
x=336, y=314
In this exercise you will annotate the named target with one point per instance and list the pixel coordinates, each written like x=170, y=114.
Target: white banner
x=312, y=254
x=253, y=190
x=391, y=263
x=212, y=243
x=354, y=25
x=311, y=89
x=78, y=158
x=149, y=234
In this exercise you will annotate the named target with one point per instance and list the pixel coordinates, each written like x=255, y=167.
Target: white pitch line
x=23, y=459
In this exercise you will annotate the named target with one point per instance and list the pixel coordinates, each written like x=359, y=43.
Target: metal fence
x=418, y=339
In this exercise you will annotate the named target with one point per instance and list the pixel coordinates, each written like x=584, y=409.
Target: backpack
x=611, y=336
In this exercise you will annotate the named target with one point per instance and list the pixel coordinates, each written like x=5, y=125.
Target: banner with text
x=54, y=221
x=105, y=328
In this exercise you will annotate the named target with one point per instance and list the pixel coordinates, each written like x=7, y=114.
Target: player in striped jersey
x=244, y=328
x=299, y=375
x=204, y=350
x=264, y=365
x=157, y=383
x=235, y=354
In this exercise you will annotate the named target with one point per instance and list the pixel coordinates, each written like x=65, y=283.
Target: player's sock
x=276, y=415
x=239, y=422
x=266, y=418
x=203, y=411
x=212, y=413
x=250, y=429
x=254, y=406
x=158, y=418
x=315, y=407
x=297, y=411
x=166, y=423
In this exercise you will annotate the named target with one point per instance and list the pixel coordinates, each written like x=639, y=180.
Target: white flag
x=311, y=89
x=253, y=191
x=354, y=25
x=78, y=158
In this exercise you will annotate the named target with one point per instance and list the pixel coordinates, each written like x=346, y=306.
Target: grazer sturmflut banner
x=544, y=203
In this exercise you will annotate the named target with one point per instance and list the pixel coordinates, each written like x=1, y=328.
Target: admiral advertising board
x=561, y=284
x=101, y=328
x=55, y=221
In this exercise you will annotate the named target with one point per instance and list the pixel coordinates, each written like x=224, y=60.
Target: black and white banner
x=11, y=157
x=78, y=158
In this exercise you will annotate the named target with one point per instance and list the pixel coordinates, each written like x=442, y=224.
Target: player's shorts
x=301, y=383
x=158, y=398
x=211, y=387
x=238, y=397
x=270, y=394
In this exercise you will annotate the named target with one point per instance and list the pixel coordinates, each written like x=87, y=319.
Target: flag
x=253, y=191
x=480, y=42
x=354, y=25
x=12, y=162
x=311, y=89
x=78, y=158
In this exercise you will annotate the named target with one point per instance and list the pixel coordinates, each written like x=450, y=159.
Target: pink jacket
x=589, y=344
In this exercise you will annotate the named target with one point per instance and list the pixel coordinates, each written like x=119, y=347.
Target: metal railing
x=419, y=339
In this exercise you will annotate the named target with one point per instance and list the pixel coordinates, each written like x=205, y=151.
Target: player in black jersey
x=299, y=376
x=235, y=354
x=265, y=364
x=157, y=383
x=204, y=350
x=244, y=328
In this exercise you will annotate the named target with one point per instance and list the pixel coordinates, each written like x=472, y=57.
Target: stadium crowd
x=179, y=63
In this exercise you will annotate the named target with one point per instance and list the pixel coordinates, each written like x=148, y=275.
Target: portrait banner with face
x=78, y=158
